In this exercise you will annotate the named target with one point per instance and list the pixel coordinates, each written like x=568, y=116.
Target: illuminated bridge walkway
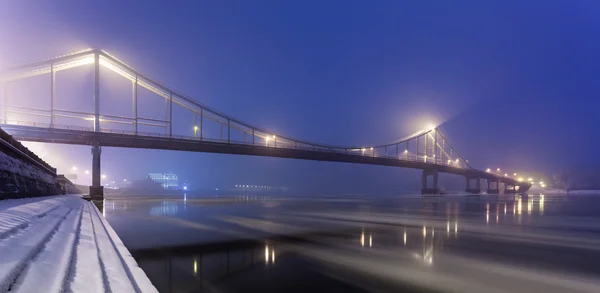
x=203, y=130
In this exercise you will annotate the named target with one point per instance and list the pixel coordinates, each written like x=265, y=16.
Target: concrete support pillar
x=509, y=188
x=425, y=189
x=493, y=187
x=96, y=190
x=473, y=188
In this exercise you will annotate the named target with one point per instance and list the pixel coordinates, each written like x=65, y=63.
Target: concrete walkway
x=63, y=244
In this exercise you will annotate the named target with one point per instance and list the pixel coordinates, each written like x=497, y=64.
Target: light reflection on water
x=421, y=221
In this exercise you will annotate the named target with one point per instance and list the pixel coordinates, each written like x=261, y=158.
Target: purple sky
x=512, y=83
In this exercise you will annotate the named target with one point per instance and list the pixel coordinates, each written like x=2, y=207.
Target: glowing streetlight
x=505, y=175
x=74, y=168
x=520, y=179
x=87, y=172
x=514, y=174
x=529, y=179
x=488, y=170
x=103, y=176
x=498, y=169
x=195, y=130
x=430, y=127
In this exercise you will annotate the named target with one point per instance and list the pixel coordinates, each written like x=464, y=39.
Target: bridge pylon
x=96, y=190
x=425, y=188
x=476, y=189
x=493, y=186
x=510, y=188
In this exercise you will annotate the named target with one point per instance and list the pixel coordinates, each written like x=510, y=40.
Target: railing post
x=97, y=92
x=5, y=101
x=425, y=147
x=170, y=114
x=135, y=105
x=436, y=152
x=417, y=150
x=252, y=136
x=201, y=118
x=228, y=131
x=52, y=94
x=195, y=126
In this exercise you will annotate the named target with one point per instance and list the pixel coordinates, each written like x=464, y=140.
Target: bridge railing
x=282, y=144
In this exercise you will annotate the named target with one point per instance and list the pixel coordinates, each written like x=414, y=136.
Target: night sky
x=512, y=84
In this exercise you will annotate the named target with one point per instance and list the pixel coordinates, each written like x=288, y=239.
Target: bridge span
x=427, y=150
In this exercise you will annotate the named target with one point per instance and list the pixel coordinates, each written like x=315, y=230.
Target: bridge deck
x=109, y=139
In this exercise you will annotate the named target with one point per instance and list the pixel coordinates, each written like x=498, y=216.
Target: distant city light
x=87, y=172
x=185, y=188
x=514, y=174
x=498, y=169
x=505, y=175
x=371, y=148
x=488, y=170
x=74, y=168
x=530, y=179
x=520, y=179
x=103, y=176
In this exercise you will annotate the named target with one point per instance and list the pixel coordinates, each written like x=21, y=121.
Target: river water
x=404, y=243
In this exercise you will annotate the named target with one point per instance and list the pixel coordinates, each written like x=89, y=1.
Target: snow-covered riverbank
x=63, y=244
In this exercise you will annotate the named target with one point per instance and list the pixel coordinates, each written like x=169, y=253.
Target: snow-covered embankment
x=63, y=244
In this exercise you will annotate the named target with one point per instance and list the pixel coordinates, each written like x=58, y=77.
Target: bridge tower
x=96, y=190
x=425, y=189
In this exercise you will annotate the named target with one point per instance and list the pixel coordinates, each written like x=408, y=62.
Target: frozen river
x=538, y=243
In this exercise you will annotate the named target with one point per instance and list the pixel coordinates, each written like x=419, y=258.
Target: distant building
x=166, y=180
